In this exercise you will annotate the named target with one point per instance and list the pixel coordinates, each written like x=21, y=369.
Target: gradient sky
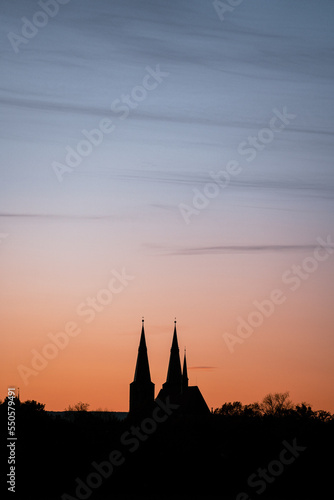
x=121, y=210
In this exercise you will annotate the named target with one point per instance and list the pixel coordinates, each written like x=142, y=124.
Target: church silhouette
x=176, y=387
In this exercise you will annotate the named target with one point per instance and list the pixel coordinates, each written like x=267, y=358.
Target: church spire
x=142, y=388
x=184, y=373
x=174, y=376
x=142, y=372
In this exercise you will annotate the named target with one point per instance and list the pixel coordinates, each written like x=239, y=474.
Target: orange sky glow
x=167, y=161
x=58, y=355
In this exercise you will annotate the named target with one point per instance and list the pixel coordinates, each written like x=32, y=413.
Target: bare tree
x=78, y=407
x=276, y=404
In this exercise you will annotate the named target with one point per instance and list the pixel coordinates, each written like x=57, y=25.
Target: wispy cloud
x=56, y=216
x=319, y=187
x=233, y=249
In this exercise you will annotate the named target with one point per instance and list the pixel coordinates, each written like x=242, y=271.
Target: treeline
x=273, y=405
x=270, y=450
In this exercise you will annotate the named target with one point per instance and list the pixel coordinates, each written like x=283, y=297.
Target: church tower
x=142, y=388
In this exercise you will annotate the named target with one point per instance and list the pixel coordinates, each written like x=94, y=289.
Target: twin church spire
x=142, y=388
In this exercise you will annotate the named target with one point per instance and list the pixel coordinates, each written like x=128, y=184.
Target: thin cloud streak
x=232, y=249
x=57, y=216
x=170, y=176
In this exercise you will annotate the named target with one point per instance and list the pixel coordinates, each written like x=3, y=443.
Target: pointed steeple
x=142, y=388
x=174, y=376
x=142, y=372
x=184, y=373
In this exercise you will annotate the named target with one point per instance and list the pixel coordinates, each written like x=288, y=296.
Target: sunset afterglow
x=159, y=161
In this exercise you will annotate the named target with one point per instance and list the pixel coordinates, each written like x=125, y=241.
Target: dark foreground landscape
x=237, y=452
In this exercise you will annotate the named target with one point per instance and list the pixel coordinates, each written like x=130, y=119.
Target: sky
x=167, y=159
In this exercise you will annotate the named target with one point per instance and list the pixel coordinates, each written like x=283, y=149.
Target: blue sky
x=225, y=78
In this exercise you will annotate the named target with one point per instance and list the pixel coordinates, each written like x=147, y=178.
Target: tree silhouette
x=231, y=409
x=276, y=404
x=304, y=410
x=324, y=416
x=78, y=407
x=32, y=405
